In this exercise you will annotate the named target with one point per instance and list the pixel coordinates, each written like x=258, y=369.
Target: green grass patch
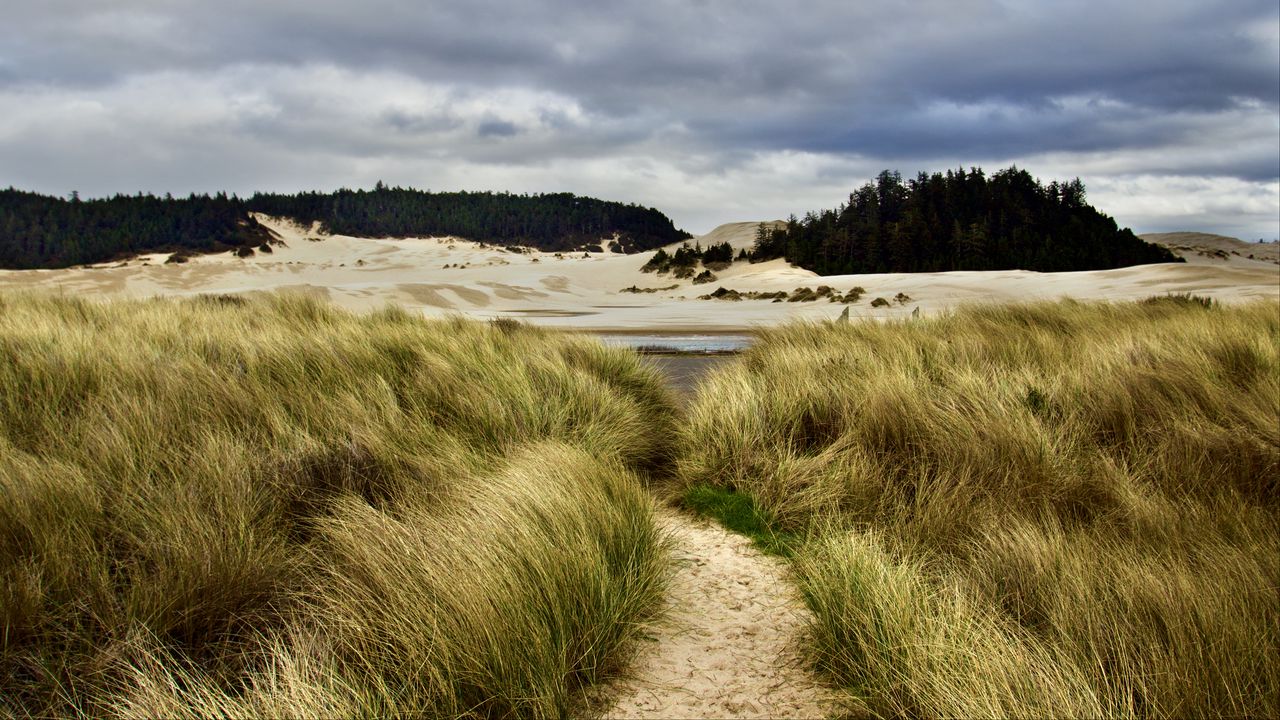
x=738, y=512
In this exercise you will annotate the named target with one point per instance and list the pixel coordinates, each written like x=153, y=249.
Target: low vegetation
x=224, y=507
x=800, y=294
x=647, y=290
x=685, y=259
x=1054, y=510
x=731, y=295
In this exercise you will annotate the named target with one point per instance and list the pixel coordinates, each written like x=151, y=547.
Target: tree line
x=958, y=221
x=40, y=231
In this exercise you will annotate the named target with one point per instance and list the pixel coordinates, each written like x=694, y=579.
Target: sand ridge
x=730, y=646
x=1209, y=249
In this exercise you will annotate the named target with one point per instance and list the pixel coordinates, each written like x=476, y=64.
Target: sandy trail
x=731, y=645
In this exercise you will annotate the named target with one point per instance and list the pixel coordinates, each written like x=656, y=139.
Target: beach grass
x=269, y=507
x=1040, y=510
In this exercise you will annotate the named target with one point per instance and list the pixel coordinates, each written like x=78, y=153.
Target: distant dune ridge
x=1199, y=246
x=739, y=235
x=447, y=275
x=957, y=220
x=900, y=246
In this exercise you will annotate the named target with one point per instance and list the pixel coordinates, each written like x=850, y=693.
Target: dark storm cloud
x=830, y=77
x=1182, y=88
x=497, y=128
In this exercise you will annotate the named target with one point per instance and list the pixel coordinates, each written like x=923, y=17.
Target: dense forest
x=39, y=231
x=958, y=221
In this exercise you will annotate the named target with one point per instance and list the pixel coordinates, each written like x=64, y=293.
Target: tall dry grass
x=222, y=507
x=1029, y=511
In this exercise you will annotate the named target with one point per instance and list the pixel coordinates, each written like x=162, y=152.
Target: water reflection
x=681, y=343
x=684, y=372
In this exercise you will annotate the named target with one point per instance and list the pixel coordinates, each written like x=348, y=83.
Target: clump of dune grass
x=269, y=507
x=1037, y=510
x=500, y=603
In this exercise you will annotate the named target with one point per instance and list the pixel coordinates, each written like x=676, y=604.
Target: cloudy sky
x=710, y=110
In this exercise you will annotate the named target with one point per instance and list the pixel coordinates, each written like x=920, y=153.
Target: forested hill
x=40, y=231
x=559, y=221
x=958, y=221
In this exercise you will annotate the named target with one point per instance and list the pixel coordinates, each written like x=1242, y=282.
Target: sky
x=710, y=110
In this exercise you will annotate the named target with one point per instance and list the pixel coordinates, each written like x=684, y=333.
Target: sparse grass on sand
x=1052, y=510
x=272, y=508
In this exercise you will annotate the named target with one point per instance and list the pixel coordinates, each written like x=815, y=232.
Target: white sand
x=573, y=291
x=731, y=644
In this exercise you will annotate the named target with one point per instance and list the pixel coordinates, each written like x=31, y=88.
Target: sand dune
x=440, y=276
x=1206, y=248
x=740, y=235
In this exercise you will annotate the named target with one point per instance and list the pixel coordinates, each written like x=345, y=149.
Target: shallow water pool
x=680, y=343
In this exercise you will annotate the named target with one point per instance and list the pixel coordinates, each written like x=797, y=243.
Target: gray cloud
x=291, y=94
x=497, y=128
